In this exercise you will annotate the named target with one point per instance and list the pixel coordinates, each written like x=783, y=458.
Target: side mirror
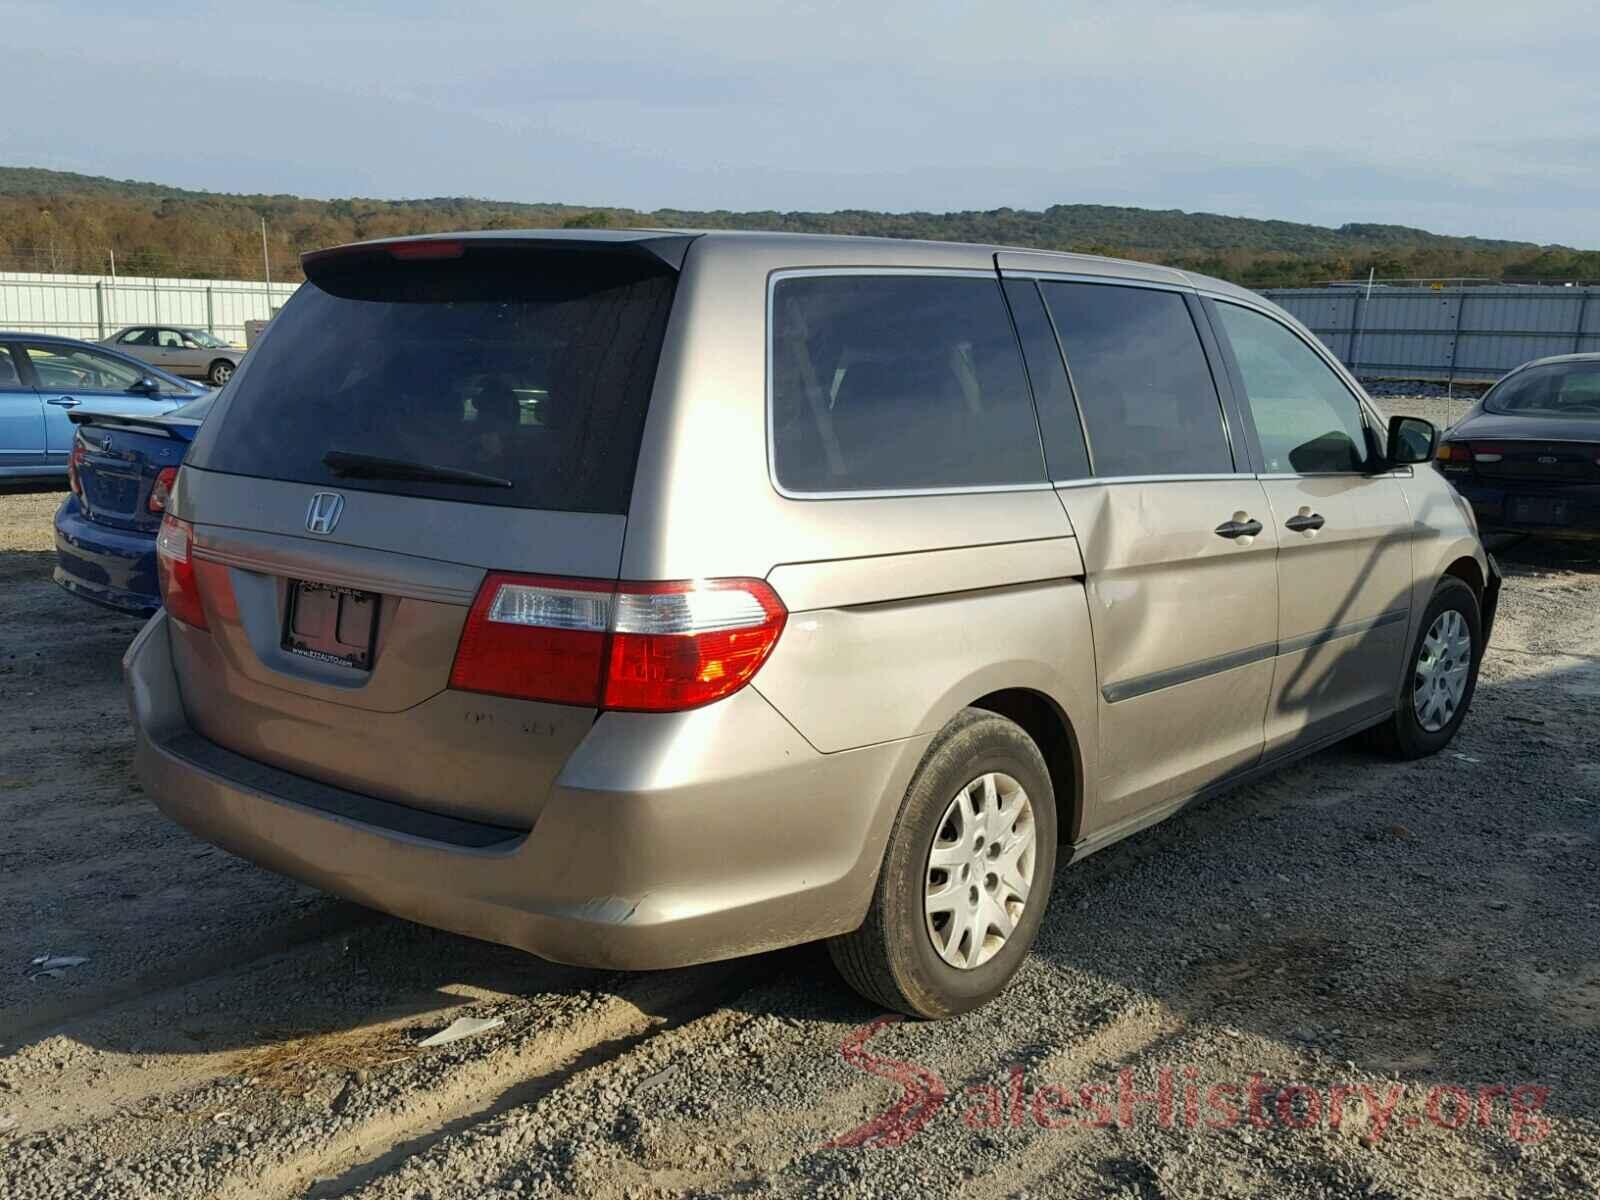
x=1411, y=440
x=145, y=387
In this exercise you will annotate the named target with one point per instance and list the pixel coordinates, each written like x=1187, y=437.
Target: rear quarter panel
x=903, y=609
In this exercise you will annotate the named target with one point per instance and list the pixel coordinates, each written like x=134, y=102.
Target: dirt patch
x=1349, y=923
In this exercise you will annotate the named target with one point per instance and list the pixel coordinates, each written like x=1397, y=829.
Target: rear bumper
x=1494, y=504
x=666, y=840
x=112, y=567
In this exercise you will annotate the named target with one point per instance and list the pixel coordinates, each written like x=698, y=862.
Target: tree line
x=58, y=222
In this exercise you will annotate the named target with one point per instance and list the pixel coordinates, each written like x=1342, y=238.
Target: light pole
x=266, y=269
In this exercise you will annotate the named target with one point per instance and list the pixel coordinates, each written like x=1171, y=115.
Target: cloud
x=1474, y=116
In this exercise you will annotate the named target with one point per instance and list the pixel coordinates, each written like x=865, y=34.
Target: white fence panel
x=93, y=306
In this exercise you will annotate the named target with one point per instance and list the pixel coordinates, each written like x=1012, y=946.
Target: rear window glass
x=1558, y=390
x=1149, y=404
x=909, y=382
x=532, y=368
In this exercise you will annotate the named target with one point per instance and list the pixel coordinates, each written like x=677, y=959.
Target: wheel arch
x=1467, y=570
x=1049, y=726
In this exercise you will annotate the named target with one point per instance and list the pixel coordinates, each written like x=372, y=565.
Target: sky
x=1467, y=117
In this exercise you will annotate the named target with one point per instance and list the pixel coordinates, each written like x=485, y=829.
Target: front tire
x=1441, y=674
x=221, y=371
x=947, y=927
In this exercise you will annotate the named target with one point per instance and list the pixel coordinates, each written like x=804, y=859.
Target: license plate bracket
x=1540, y=510
x=331, y=624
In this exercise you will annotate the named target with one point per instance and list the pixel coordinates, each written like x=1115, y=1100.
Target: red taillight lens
x=1486, y=452
x=681, y=645
x=537, y=638
x=655, y=647
x=74, y=461
x=180, y=590
x=161, y=491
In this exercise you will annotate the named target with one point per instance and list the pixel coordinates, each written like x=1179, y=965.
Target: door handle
x=1238, y=529
x=1305, y=522
x=64, y=402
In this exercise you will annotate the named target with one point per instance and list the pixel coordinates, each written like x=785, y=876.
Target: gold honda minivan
x=646, y=598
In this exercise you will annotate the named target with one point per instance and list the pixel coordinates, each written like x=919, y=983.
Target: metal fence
x=1447, y=335
x=92, y=306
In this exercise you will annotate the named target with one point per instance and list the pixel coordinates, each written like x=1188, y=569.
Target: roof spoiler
x=664, y=246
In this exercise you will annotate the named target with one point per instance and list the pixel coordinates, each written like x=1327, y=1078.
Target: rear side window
x=898, y=382
x=532, y=367
x=1149, y=404
x=1306, y=419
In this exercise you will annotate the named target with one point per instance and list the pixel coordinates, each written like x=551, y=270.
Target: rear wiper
x=369, y=466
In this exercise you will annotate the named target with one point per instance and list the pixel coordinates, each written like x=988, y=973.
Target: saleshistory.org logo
x=1177, y=1097
x=322, y=516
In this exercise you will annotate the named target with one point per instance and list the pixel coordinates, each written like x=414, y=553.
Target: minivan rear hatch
x=420, y=413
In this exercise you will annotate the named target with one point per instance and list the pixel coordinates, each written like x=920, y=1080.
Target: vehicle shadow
x=30, y=487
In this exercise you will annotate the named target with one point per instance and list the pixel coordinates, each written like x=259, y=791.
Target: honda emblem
x=323, y=515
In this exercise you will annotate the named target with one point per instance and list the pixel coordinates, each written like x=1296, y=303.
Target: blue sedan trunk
x=106, y=528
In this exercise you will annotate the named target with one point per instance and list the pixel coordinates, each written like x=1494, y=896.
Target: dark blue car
x=121, y=470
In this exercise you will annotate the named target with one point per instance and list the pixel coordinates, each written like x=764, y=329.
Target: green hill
x=57, y=221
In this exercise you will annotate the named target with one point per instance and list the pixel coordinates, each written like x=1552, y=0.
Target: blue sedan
x=43, y=378
x=122, y=469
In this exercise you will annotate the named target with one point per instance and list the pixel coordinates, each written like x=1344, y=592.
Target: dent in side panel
x=1164, y=590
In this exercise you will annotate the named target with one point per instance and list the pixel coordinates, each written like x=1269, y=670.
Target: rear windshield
x=532, y=368
x=1559, y=390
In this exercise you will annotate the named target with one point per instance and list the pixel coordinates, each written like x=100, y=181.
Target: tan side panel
x=849, y=677
x=1443, y=534
x=1185, y=624
x=1179, y=739
x=873, y=580
x=1165, y=591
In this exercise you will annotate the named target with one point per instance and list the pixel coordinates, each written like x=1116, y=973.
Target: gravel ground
x=1369, y=930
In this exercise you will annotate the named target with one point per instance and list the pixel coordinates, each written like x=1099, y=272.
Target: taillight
x=654, y=647
x=1485, y=453
x=681, y=645
x=161, y=491
x=180, y=590
x=536, y=638
x=74, y=461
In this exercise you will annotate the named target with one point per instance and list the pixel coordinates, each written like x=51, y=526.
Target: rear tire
x=895, y=959
x=1427, y=688
x=219, y=373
